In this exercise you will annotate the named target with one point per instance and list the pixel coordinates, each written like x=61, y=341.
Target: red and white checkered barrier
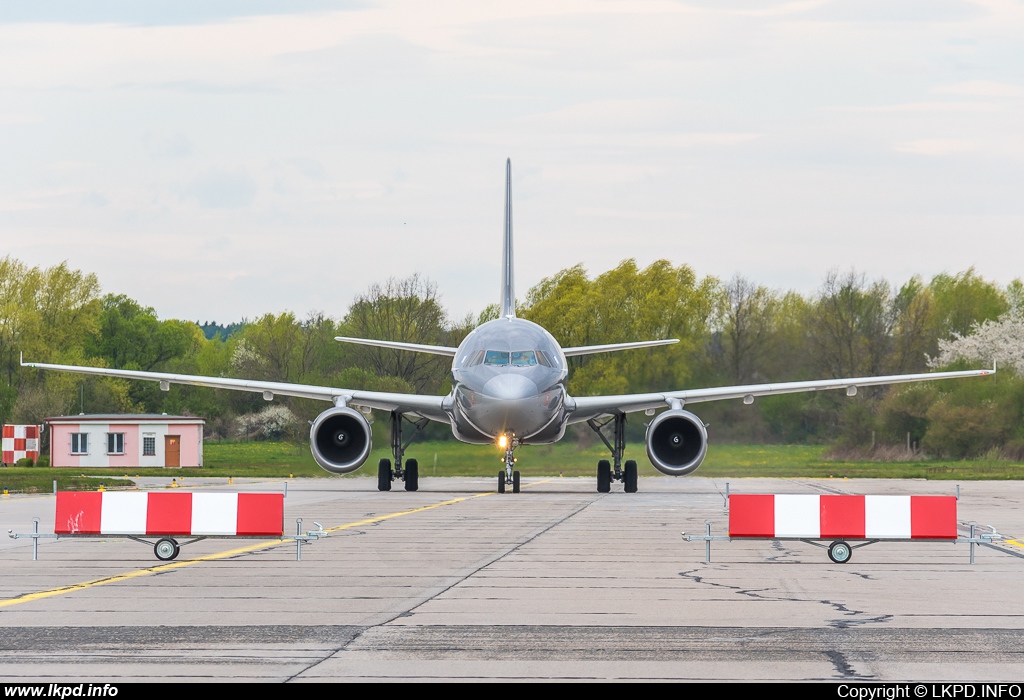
x=196, y=514
x=777, y=516
x=19, y=442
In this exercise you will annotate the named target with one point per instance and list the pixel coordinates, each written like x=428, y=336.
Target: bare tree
x=747, y=322
x=406, y=310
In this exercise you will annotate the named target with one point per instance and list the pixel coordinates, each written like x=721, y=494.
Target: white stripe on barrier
x=124, y=513
x=887, y=517
x=214, y=513
x=797, y=516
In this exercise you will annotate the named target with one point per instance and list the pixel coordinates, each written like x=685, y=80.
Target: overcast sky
x=218, y=160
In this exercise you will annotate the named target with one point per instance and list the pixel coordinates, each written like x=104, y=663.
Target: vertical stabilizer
x=508, y=295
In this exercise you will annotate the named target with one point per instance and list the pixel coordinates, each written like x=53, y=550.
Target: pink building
x=130, y=440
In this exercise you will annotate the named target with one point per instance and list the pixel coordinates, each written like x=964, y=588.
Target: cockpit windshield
x=524, y=358
x=496, y=358
x=517, y=358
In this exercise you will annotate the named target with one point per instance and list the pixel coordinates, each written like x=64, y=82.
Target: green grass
x=40, y=480
x=450, y=458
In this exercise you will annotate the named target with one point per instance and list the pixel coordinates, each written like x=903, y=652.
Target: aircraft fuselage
x=508, y=378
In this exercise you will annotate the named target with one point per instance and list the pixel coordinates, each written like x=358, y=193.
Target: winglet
x=508, y=296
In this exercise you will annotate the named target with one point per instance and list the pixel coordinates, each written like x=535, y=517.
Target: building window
x=79, y=443
x=115, y=443
x=148, y=445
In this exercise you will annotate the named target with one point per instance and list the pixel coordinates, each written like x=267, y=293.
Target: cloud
x=223, y=189
x=936, y=147
x=982, y=88
x=136, y=12
x=920, y=107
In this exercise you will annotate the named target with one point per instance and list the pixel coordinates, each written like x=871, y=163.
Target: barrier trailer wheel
x=840, y=552
x=166, y=549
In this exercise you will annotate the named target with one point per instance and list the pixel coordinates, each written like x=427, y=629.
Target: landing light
x=502, y=441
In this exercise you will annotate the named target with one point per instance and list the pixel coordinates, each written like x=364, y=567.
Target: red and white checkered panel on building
x=152, y=514
x=19, y=442
x=777, y=516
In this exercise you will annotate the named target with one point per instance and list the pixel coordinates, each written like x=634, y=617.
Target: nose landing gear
x=508, y=476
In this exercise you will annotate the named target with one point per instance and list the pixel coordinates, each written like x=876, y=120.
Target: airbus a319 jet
x=509, y=389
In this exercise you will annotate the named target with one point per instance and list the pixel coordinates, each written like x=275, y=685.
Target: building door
x=172, y=450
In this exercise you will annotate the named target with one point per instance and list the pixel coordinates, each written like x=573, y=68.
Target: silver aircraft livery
x=509, y=389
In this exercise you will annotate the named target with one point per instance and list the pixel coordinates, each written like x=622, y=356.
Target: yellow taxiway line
x=160, y=568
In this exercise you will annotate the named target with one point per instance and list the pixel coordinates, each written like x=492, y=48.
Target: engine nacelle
x=677, y=442
x=340, y=440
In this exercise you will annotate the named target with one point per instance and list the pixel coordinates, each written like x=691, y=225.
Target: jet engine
x=340, y=440
x=677, y=442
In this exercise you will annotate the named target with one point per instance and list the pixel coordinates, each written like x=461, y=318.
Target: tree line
x=731, y=332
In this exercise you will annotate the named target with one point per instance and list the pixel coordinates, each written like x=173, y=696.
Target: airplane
x=509, y=389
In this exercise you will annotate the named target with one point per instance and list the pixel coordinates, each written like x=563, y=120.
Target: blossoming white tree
x=999, y=341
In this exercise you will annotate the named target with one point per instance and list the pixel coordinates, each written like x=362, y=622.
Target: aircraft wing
x=588, y=407
x=594, y=349
x=394, y=345
x=427, y=406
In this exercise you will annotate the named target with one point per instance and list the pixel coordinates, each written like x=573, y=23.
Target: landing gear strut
x=410, y=473
x=508, y=476
x=626, y=473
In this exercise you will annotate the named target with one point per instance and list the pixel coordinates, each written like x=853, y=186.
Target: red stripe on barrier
x=78, y=513
x=8, y=431
x=8, y=457
x=19, y=444
x=933, y=517
x=842, y=516
x=32, y=431
x=260, y=514
x=169, y=514
x=751, y=515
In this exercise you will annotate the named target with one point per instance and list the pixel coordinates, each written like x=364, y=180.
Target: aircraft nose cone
x=509, y=387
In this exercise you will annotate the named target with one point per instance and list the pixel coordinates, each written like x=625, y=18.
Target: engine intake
x=340, y=440
x=677, y=442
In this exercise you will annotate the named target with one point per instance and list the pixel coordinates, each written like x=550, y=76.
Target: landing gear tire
x=604, y=476
x=384, y=475
x=412, y=475
x=840, y=552
x=515, y=482
x=629, y=478
x=166, y=549
x=501, y=481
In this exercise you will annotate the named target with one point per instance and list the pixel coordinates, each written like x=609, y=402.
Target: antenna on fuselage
x=508, y=295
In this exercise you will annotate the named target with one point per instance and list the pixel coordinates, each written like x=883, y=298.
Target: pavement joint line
x=160, y=568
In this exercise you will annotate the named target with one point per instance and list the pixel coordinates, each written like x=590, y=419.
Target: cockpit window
x=544, y=359
x=524, y=358
x=475, y=359
x=496, y=358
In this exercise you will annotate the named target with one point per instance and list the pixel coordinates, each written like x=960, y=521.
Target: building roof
x=123, y=418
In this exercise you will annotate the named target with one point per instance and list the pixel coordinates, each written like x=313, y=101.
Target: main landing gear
x=508, y=476
x=626, y=473
x=410, y=473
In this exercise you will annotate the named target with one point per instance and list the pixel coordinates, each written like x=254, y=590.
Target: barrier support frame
x=298, y=537
x=984, y=540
